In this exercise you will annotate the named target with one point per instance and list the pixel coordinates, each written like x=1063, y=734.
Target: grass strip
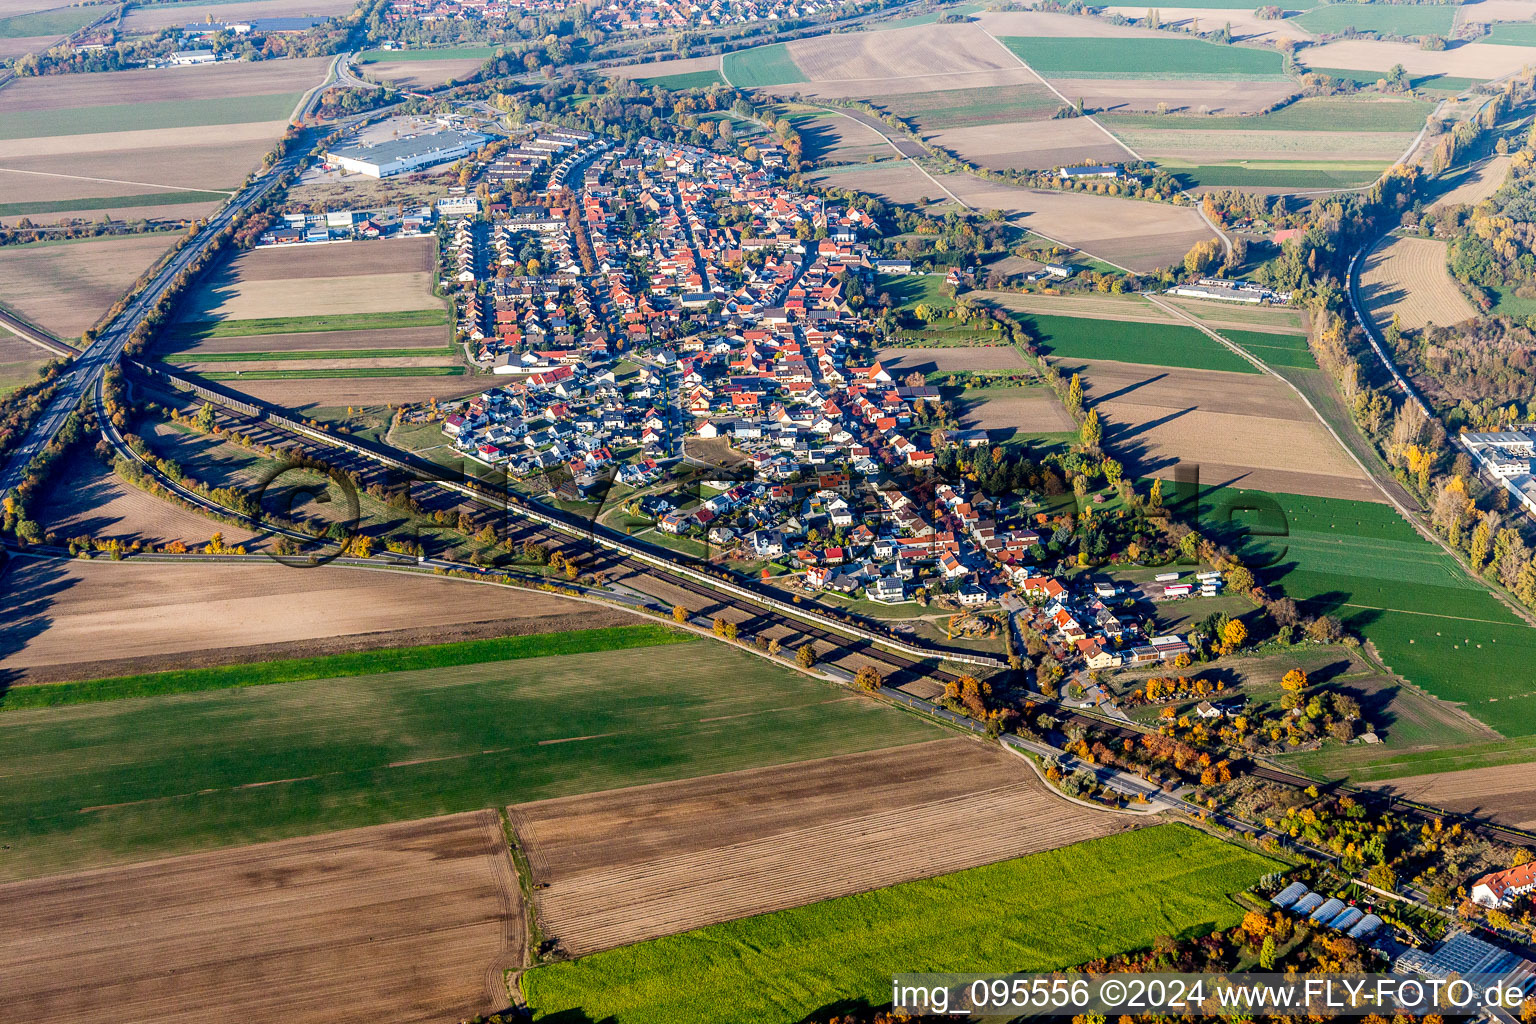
x=195, y=329
x=685, y=80
x=330, y=666
x=193, y=356
x=150, y=114
x=111, y=202
x=334, y=373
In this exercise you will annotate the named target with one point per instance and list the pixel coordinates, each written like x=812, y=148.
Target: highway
x=91, y=365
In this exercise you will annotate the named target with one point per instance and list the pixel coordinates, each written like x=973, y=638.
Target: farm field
x=1029, y=412
x=634, y=864
x=333, y=325
x=1091, y=306
x=895, y=181
x=1031, y=145
x=902, y=361
x=1353, y=115
x=1274, y=349
x=1217, y=314
x=676, y=68
x=131, y=780
x=66, y=288
x=1513, y=35
x=1153, y=344
x=828, y=137
x=1028, y=913
x=686, y=80
x=1246, y=25
x=1504, y=793
x=897, y=53
x=1103, y=94
x=1475, y=61
x=1409, y=277
x=1476, y=183
x=966, y=108
x=1424, y=615
x=1143, y=57
x=20, y=362
x=760, y=66
x=1127, y=232
x=407, y=922
x=81, y=620
x=423, y=69
x=1158, y=417
x=1393, y=19
x=157, y=16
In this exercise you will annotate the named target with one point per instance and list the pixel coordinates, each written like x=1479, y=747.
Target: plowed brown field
x=909, y=53
x=1506, y=793
x=654, y=860
x=65, y=287
x=399, y=923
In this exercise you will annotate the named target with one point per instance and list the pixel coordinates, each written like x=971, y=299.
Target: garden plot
x=1409, y=277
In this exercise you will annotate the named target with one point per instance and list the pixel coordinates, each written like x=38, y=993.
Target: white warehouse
x=400, y=156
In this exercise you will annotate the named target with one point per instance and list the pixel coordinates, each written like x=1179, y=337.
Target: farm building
x=1500, y=889
x=1090, y=171
x=401, y=156
x=1461, y=955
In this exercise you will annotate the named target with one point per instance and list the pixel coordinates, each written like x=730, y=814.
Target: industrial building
x=401, y=156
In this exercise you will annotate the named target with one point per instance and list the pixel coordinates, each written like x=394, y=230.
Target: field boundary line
x=120, y=181
x=897, y=150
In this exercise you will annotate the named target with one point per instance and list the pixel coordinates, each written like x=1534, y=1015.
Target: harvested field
x=874, y=88
x=1138, y=235
x=1032, y=145
x=918, y=52
x=895, y=181
x=347, y=259
x=18, y=46
x=1479, y=61
x=406, y=922
x=1498, y=10
x=66, y=287
x=225, y=298
x=831, y=138
x=1409, y=277
x=20, y=362
x=965, y=108
x=1506, y=793
x=1246, y=25
x=1223, y=315
x=1477, y=182
x=958, y=357
x=665, y=68
x=74, y=613
x=639, y=863
x=1130, y=95
x=119, y=88
x=100, y=151
x=89, y=500
x=342, y=391
x=1209, y=147
x=314, y=341
x=1092, y=306
x=156, y=17
x=422, y=74
x=1226, y=423
x=1015, y=411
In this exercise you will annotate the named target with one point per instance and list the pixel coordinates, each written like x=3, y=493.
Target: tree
x=1325, y=629
x=719, y=626
x=1233, y=634
x=1240, y=579
x=1092, y=431
x=774, y=647
x=1267, y=953
x=1075, y=392
x=679, y=613
x=1295, y=681
x=867, y=679
x=805, y=657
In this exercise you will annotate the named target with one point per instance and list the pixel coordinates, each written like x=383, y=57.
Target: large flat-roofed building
x=1509, y=458
x=400, y=156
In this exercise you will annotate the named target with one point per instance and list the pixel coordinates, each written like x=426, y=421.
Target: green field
x=189, y=330
x=1074, y=337
x=1277, y=174
x=1273, y=349
x=959, y=108
x=1367, y=77
x=446, y=351
x=1363, y=764
x=1144, y=58
x=760, y=66
x=1390, y=19
x=334, y=373
x=444, y=53
x=1309, y=115
x=119, y=117
x=139, y=778
x=1034, y=913
x=1218, y=5
x=687, y=80
x=1430, y=622
x=908, y=291
x=111, y=202
x=61, y=21
x=1514, y=33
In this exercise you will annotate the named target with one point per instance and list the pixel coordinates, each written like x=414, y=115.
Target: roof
x=405, y=149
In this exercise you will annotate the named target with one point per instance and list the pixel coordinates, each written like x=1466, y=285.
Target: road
x=88, y=369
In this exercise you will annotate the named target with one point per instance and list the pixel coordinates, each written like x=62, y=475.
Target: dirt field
x=35, y=187
x=309, y=394
x=1227, y=423
x=1206, y=147
x=908, y=53
x=1409, y=277
x=1014, y=410
x=1134, y=234
x=18, y=46
x=654, y=860
x=874, y=88
x=1230, y=315
x=67, y=287
x=1245, y=24
x=63, y=614
x=173, y=212
x=1032, y=145
x=959, y=357
x=1478, y=183
x=895, y=181
x=216, y=165
x=1506, y=793
x=421, y=74
x=656, y=69
x=152, y=19
x=836, y=139
x=90, y=500
x=405, y=922
x=235, y=78
x=342, y=259
x=1131, y=95
x=321, y=341
x=1473, y=60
